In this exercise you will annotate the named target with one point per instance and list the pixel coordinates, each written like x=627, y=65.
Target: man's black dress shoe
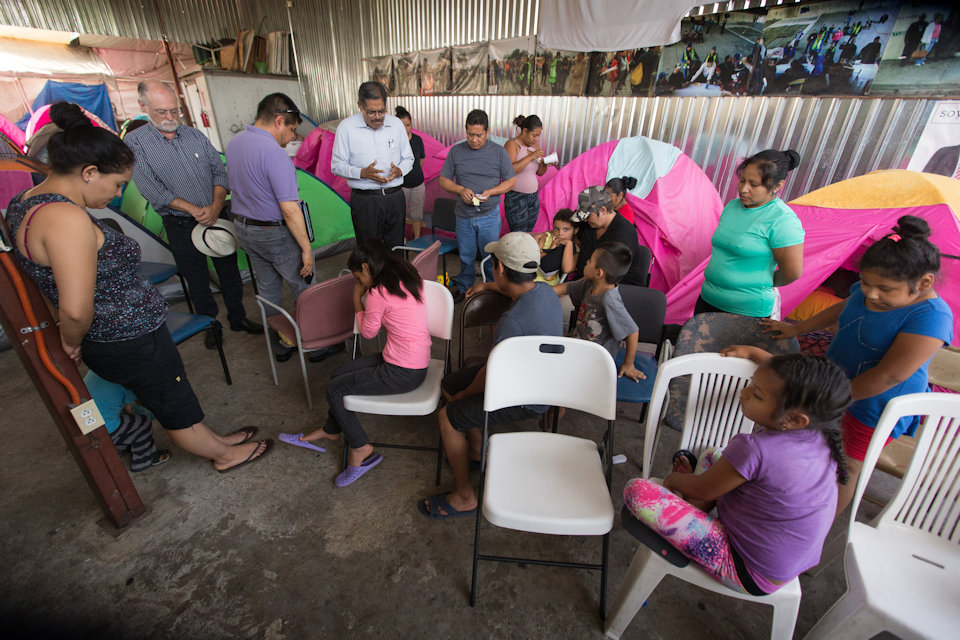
x=210, y=340
x=319, y=355
x=248, y=326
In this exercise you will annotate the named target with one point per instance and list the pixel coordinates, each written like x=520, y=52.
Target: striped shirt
x=187, y=167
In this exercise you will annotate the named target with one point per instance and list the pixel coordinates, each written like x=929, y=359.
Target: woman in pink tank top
x=522, y=205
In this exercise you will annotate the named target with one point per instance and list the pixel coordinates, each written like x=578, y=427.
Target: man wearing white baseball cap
x=535, y=312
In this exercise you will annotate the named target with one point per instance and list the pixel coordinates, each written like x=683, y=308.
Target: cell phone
x=308, y=279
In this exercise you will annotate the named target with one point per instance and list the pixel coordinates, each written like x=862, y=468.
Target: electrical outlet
x=87, y=416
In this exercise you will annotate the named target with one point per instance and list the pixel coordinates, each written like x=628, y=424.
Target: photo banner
x=559, y=73
x=920, y=59
x=832, y=48
x=469, y=69
x=510, y=68
x=938, y=149
x=406, y=71
x=380, y=70
x=435, y=72
x=713, y=56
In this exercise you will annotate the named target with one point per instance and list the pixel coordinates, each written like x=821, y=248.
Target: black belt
x=375, y=192
x=259, y=223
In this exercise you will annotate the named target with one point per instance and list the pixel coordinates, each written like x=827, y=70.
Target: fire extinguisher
x=205, y=119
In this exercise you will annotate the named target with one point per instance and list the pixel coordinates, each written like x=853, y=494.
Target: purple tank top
x=125, y=304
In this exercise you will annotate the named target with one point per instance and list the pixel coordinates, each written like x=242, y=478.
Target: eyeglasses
x=163, y=113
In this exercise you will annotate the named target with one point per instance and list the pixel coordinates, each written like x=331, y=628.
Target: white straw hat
x=217, y=240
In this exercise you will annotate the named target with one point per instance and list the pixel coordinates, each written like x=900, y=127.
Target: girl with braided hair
x=775, y=489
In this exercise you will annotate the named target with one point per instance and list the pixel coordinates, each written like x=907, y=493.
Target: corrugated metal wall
x=837, y=137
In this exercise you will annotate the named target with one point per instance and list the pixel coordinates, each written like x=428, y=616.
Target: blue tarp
x=92, y=97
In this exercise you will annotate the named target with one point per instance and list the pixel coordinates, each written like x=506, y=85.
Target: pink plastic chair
x=324, y=317
x=425, y=262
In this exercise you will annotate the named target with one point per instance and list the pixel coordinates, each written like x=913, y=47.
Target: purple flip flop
x=294, y=439
x=352, y=474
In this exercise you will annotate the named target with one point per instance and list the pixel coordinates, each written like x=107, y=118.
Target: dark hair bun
x=401, y=112
x=519, y=121
x=629, y=182
x=793, y=159
x=67, y=115
x=912, y=227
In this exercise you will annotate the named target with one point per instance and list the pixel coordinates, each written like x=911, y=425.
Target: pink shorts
x=856, y=437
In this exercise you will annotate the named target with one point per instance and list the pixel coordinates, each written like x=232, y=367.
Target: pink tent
x=41, y=117
x=842, y=219
x=12, y=181
x=676, y=205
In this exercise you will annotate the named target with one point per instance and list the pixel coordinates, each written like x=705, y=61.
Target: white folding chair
x=424, y=399
x=902, y=568
x=711, y=418
x=548, y=482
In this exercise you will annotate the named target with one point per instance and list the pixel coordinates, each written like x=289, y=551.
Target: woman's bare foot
x=237, y=437
x=319, y=434
x=241, y=453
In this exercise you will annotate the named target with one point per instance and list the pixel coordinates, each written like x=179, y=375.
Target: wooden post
x=95, y=454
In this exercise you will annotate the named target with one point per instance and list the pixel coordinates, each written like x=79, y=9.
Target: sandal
x=688, y=456
x=256, y=455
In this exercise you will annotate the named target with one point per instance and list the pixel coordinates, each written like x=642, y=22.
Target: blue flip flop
x=352, y=474
x=294, y=439
x=438, y=502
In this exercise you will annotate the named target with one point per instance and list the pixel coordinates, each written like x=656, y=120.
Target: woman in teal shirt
x=758, y=244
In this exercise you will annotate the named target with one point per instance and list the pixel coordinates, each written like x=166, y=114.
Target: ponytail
x=621, y=185
x=79, y=144
x=906, y=254
x=529, y=123
x=773, y=165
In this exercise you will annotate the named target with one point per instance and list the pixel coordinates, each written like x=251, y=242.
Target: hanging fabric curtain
x=610, y=25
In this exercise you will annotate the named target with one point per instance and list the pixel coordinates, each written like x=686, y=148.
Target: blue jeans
x=473, y=234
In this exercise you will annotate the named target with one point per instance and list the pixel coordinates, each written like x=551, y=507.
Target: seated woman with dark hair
x=617, y=188
x=110, y=314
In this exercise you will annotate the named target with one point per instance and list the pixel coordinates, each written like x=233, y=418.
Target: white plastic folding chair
x=548, y=482
x=902, y=568
x=711, y=418
x=424, y=399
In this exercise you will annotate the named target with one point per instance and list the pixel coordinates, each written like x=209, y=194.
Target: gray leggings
x=368, y=376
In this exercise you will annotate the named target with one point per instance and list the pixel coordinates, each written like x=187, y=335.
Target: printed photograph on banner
x=833, y=48
x=938, y=149
x=435, y=72
x=923, y=55
x=713, y=57
x=381, y=70
x=510, y=67
x=559, y=73
x=622, y=73
x=406, y=73
x=469, y=69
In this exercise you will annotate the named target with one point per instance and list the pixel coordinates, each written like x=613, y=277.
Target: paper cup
x=553, y=158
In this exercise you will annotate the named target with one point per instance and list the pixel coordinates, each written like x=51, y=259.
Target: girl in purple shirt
x=775, y=490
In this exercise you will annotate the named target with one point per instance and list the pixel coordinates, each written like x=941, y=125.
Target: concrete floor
x=275, y=551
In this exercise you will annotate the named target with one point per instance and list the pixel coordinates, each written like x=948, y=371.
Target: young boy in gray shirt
x=601, y=316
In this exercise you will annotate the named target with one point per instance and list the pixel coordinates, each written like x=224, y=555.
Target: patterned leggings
x=694, y=533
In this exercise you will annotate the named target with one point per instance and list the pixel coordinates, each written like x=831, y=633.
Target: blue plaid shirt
x=186, y=167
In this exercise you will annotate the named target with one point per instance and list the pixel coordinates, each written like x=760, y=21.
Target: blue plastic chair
x=647, y=307
x=443, y=217
x=183, y=326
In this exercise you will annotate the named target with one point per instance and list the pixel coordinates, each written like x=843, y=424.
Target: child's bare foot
x=319, y=434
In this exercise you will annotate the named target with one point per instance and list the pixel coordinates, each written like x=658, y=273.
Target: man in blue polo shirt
x=478, y=172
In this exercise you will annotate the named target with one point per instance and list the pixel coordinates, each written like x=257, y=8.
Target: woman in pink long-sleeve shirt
x=394, y=302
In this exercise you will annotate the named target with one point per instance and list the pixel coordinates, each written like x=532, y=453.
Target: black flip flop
x=253, y=457
x=686, y=453
x=249, y=433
